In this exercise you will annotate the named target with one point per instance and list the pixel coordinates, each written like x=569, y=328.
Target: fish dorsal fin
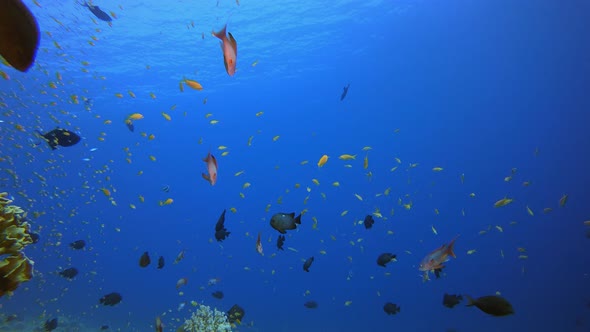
x=233, y=42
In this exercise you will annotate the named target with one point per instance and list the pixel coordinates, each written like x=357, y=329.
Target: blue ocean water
x=484, y=90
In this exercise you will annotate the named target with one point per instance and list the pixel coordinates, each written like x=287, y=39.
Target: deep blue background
x=475, y=87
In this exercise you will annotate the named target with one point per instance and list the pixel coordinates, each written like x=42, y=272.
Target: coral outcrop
x=207, y=320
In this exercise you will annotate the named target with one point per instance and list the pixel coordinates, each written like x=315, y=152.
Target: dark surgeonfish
x=307, y=264
x=310, y=304
x=111, y=299
x=493, y=305
x=235, y=313
x=19, y=34
x=217, y=294
x=450, y=301
x=221, y=232
x=50, y=325
x=144, y=260
x=369, y=221
x=385, y=258
x=391, y=308
x=79, y=244
x=161, y=262
x=99, y=13
x=280, y=242
x=284, y=221
x=69, y=273
x=345, y=92
x=61, y=137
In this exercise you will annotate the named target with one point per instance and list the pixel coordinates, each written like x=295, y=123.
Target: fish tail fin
x=470, y=301
x=451, y=246
x=298, y=219
x=221, y=33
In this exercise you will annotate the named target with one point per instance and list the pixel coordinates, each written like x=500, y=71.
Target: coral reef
x=207, y=320
x=15, y=267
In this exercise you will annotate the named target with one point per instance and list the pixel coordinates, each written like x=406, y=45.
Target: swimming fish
x=179, y=257
x=391, y=308
x=217, y=294
x=235, y=314
x=144, y=260
x=111, y=299
x=259, y=245
x=229, y=47
x=310, y=304
x=161, y=262
x=323, y=160
x=50, y=325
x=19, y=34
x=211, y=169
x=280, y=242
x=385, y=258
x=221, y=232
x=369, y=221
x=437, y=258
x=307, y=264
x=159, y=325
x=69, y=273
x=493, y=305
x=61, y=137
x=181, y=282
x=79, y=244
x=345, y=92
x=129, y=124
x=284, y=221
x=450, y=301
x=99, y=13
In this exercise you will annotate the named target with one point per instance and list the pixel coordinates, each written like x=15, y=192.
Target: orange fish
x=259, y=245
x=229, y=46
x=19, y=34
x=436, y=259
x=211, y=169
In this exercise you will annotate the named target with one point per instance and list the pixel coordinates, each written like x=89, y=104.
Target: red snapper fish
x=436, y=259
x=211, y=169
x=229, y=46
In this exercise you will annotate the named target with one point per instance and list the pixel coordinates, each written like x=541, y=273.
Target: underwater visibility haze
x=295, y=166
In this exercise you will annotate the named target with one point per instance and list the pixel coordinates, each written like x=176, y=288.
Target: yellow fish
x=323, y=160
x=347, y=157
x=136, y=116
x=193, y=84
x=503, y=202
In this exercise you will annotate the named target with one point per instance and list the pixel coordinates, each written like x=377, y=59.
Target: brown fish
x=229, y=47
x=19, y=34
x=144, y=260
x=493, y=305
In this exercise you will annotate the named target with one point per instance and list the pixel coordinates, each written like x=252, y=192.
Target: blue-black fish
x=307, y=264
x=50, y=325
x=99, y=13
x=385, y=258
x=129, y=124
x=221, y=232
x=144, y=260
x=310, y=304
x=217, y=294
x=493, y=305
x=391, y=308
x=345, y=92
x=369, y=221
x=79, y=244
x=69, y=273
x=61, y=137
x=19, y=34
x=235, y=313
x=284, y=221
x=450, y=301
x=161, y=262
x=111, y=299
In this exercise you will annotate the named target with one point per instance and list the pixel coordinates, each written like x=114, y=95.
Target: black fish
x=104, y=327
x=99, y=13
x=307, y=264
x=34, y=237
x=130, y=125
x=221, y=232
x=111, y=299
x=369, y=221
x=69, y=273
x=494, y=305
x=385, y=258
x=61, y=137
x=437, y=272
x=450, y=301
x=284, y=221
x=50, y=325
x=166, y=188
x=144, y=260
x=391, y=308
x=19, y=33
x=78, y=244
x=310, y=304
x=217, y=294
x=280, y=242
x=161, y=262
x=234, y=313
x=344, y=92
